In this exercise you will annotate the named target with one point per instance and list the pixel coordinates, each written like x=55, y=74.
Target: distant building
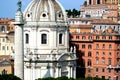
x=6, y=36
x=98, y=45
x=100, y=10
x=96, y=2
x=6, y=46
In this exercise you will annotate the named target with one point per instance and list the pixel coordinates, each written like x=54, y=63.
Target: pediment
x=5, y=63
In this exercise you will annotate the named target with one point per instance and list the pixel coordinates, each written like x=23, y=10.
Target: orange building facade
x=6, y=65
x=98, y=47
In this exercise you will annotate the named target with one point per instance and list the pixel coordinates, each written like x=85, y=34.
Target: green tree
x=9, y=77
x=69, y=13
x=73, y=13
x=62, y=78
x=49, y=78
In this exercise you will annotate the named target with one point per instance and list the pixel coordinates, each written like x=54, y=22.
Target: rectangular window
x=118, y=54
x=3, y=47
x=90, y=37
x=97, y=61
x=26, y=38
x=103, y=53
x=103, y=61
x=83, y=37
x=77, y=37
x=96, y=69
x=44, y=39
x=97, y=53
x=103, y=70
x=89, y=54
x=83, y=46
x=11, y=48
x=109, y=61
x=97, y=46
x=103, y=46
x=110, y=46
x=60, y=38
x=109, y=70
x=110, y=53
x=89, y=46
x=3, y=40
x=104, y=37
x=97, y=37
x=110, y=37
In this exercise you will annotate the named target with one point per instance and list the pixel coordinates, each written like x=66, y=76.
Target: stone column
x=70, y=71
x=34, y=71
x=74, y=72
x=59, y=71
x=19, y=47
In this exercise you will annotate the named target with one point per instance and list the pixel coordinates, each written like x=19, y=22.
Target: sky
x=9, y=7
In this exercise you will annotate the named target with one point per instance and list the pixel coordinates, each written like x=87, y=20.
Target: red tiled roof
x=5, y=57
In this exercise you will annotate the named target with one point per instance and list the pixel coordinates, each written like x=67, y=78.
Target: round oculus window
x=28, y=15
x=44, y=15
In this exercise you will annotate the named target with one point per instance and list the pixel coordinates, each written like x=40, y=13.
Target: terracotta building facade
x=98, y=47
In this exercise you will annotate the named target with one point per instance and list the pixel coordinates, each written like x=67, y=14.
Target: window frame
x=43, y=40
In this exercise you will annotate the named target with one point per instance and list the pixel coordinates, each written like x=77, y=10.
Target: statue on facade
x=19, y=4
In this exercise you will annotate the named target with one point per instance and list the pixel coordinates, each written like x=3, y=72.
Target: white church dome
x=45, y=10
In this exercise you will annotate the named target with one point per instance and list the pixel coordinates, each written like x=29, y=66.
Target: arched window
x=60, y=38
x=44, y=39
x=26, y=38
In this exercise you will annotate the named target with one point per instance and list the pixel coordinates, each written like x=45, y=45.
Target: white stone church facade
x=46, y=41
